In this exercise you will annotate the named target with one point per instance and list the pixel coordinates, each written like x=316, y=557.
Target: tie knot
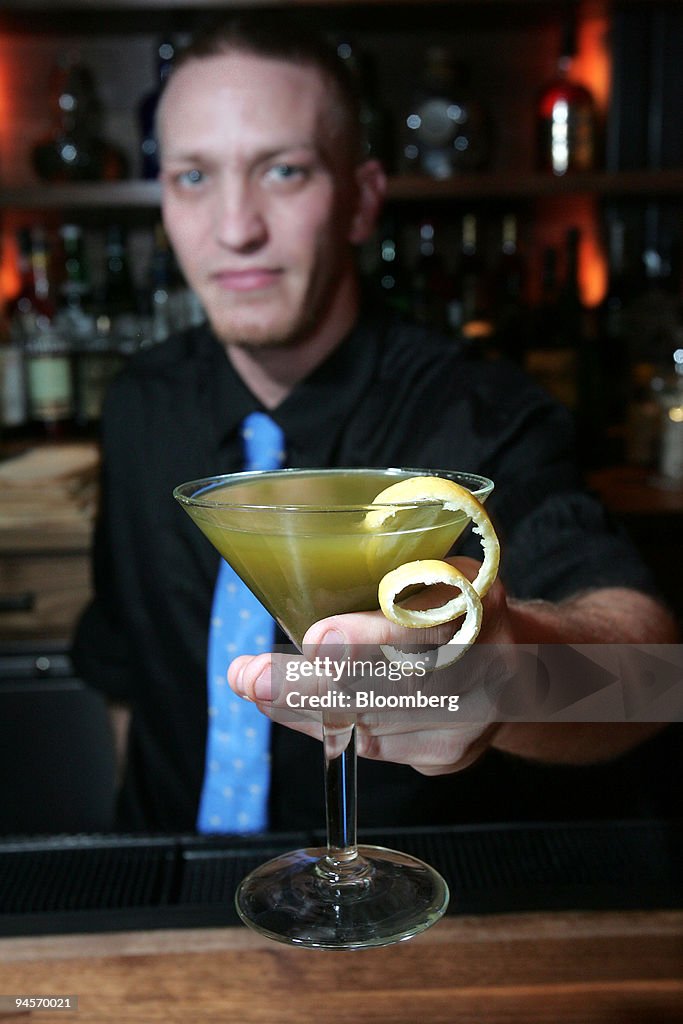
x=263, y=442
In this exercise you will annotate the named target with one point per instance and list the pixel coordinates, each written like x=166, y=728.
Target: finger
x=307, y=723
x=355, y=630
x=437, y=751
x=249, y=676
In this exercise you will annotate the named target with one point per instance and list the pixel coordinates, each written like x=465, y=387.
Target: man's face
x=258, y=195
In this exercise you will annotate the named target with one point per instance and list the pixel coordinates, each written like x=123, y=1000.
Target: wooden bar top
x=548, y=968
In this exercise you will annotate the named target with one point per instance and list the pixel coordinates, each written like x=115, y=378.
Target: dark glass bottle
x=432, y=284
x=448, y=129
x=651, y=325
x=375, y=118
x=50, y=384
x=621, y=287
x=390, y=276
x=74, y=150
x=47, y=349
x=120, y=297
x=91, y=357
x=165, y=55
x=120, y=302
x=34, y=298
x=75, y=286
x=470, y=311
x=566, y=116
x=509, y=302
x=13, y=411
x=551, y=356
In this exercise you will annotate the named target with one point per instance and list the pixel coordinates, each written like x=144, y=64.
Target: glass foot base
x=379, y=898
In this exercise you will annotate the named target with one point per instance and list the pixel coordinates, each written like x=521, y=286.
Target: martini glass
x=305, y=543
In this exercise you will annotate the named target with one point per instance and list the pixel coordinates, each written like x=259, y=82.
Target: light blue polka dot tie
x=237, y=772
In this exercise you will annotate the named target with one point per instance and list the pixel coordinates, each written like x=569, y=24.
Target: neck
x=272, y=372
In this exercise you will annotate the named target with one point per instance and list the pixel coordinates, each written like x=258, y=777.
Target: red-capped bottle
x=567, y=117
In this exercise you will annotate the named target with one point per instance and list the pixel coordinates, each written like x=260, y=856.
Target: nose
x=240, y=222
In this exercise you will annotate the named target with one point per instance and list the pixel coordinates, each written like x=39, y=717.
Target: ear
x=371, y=189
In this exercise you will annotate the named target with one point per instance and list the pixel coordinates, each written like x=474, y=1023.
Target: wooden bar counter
x=555, y=968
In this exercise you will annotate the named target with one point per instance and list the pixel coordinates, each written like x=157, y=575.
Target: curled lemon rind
x=428, y=572
x=454, y=498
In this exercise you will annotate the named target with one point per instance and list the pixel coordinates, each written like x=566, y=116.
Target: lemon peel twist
x=427, y=572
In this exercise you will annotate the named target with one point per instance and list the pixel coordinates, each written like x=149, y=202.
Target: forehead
x=246, y=95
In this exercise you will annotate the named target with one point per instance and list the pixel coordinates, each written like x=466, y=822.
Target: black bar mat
x=107, y=883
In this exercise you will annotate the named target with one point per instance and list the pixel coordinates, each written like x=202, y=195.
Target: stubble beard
x=255, y=338
x=292, y=332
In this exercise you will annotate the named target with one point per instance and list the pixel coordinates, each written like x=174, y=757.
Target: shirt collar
x=313, y=416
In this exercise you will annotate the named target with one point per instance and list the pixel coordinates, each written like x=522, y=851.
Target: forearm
x=602, y=616
x=609, y=616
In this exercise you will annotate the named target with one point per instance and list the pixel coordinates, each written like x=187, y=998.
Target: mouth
x=253, y=279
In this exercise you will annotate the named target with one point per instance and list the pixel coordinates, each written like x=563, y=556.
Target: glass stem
x=340, y=796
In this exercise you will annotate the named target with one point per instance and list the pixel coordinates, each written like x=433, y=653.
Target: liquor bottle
x=643, y=416
x=120, y=301
x=99, y=360
x=390, y=276
x=375, y=118
x=165, y=55
x=50, y=383
x=34, y=299
x=74, y=150
x=169, y=298
x=13, y=406
x=74, y=316
x=579, y=326
x=670, y=400
x=448, y=130
x=119, y=292
x=652, y=331
x=168, y=301
x=509, y=279
x=566, y=116
x=469, y=310
x=47, y=353
x=432, y=283
x=94, y=363
x=551, y=357
x=621, y=287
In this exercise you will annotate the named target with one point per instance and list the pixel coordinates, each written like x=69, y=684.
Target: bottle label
x=50, y=388
x=567, y=139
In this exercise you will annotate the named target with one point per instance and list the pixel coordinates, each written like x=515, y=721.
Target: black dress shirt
x=391, y=395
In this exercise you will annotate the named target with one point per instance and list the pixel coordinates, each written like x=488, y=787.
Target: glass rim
x=203, y=486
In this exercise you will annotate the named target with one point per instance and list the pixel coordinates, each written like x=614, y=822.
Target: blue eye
x=192, y=177
x=284, y=172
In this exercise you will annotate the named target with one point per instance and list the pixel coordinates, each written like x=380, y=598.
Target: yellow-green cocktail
x=309, y=544
x=303, y=563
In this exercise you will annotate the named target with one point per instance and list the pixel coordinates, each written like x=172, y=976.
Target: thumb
x=346, y=635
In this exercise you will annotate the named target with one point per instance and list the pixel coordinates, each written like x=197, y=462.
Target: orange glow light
x=592, y=67
x=9, y=278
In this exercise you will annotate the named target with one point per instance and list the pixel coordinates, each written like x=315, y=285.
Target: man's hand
x=446, y=744
x=433, y=744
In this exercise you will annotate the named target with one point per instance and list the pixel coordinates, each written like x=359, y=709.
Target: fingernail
x=332, y=643
x=262, y=687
